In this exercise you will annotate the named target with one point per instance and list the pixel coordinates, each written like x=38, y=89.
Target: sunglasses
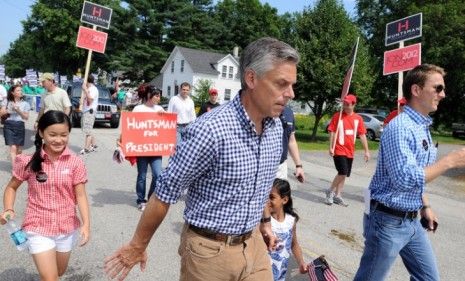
x=439, y=88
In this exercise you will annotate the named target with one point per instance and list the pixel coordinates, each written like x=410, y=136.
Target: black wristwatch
x=265, y=220
x=298, y=166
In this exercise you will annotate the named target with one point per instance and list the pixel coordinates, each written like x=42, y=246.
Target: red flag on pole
x=346, y=86
x=350, y=70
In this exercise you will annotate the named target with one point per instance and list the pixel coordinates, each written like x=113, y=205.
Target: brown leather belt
x=231, y=240
x=385, y=209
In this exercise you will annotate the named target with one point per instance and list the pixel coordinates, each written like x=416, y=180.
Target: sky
x=14, y=11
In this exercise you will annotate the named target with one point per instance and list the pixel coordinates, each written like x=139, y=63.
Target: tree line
x=144, y=32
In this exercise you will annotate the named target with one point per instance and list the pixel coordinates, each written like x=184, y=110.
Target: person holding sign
x=227, y=162
x=343, y=133
x=406, y=162
x=150, y=97
x=89, y=110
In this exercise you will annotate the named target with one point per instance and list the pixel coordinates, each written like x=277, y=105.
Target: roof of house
x=201, y=61
x=157, y=81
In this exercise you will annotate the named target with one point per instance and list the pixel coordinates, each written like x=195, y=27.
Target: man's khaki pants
x=203, y=259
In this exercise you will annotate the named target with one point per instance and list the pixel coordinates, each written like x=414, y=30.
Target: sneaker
x=329, y=197
x=93, y=147
x=338, y=200
x=84, y=151
x=141, y=206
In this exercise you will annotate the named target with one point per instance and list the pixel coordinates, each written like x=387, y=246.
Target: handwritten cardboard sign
x=148, y=133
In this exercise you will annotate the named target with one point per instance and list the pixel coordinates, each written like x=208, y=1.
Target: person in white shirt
x=89, y=109
x=183, y=106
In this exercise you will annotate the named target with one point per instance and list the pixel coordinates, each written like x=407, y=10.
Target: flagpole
x=345, y=91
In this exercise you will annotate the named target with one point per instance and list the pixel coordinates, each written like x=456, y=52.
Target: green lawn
x=303, y=133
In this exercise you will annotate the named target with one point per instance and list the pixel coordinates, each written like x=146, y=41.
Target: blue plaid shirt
x=227, y=167
x=406, y=149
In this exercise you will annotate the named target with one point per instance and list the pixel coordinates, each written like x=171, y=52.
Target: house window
x=169, y=91
x=176, y=89
x=223, y=73
x=227, y=94
x=182, y=66
x=231, y=72
x=172, y=66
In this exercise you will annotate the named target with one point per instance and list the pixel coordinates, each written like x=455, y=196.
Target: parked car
x=107, y=111
x=458, y=129
x=375, y=111
x=373, y=124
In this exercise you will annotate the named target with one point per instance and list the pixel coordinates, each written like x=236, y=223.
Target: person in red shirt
x=402, y=101
x=344, y=132
x=56, y=180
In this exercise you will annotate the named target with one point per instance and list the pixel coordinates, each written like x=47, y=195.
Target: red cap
x=350, y=99
x=212, y=92
x=402, y=101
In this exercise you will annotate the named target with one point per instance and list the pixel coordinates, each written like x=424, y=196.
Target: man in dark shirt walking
x=211, y=103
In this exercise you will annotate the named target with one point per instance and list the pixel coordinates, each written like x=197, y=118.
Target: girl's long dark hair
x=147, y=91
x=50, y=118
x=284, y=189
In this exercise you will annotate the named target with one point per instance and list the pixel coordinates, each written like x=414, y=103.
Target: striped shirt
x=406, y=149
x=227, y=167
x=51, y=205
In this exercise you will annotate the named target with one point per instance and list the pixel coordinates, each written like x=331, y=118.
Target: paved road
x=330, y=230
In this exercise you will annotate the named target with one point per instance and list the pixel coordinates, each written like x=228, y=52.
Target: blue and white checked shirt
x=227, y=168
x=406, y=149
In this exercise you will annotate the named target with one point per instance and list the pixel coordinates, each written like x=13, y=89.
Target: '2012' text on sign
x=402, y=59
x=91, y=39
x=148, y=133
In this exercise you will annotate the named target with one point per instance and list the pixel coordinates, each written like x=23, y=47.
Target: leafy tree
x=201, y=91
x=324, y=37
x=244, y=21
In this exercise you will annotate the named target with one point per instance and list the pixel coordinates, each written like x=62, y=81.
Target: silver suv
x=107, y=111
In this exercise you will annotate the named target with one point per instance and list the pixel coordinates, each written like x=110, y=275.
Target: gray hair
x=261, y=55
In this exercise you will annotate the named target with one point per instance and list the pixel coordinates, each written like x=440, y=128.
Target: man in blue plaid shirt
x=227, y=162
x=406, y=162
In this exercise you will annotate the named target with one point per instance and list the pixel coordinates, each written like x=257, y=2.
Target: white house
x=190, y=65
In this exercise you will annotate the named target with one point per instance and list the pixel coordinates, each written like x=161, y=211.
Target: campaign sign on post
x=403, y=29
x=148, y=133
x=91, y=39
x=96, y=14
x=402, y=59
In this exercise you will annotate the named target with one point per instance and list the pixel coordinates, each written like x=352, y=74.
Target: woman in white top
x=150, y=97
x=14, y=130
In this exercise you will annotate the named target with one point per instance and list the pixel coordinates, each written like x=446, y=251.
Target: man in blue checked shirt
x=227, y=162
x=406, y=162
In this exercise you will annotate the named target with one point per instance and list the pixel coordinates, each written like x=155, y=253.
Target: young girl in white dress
x=283, y=224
